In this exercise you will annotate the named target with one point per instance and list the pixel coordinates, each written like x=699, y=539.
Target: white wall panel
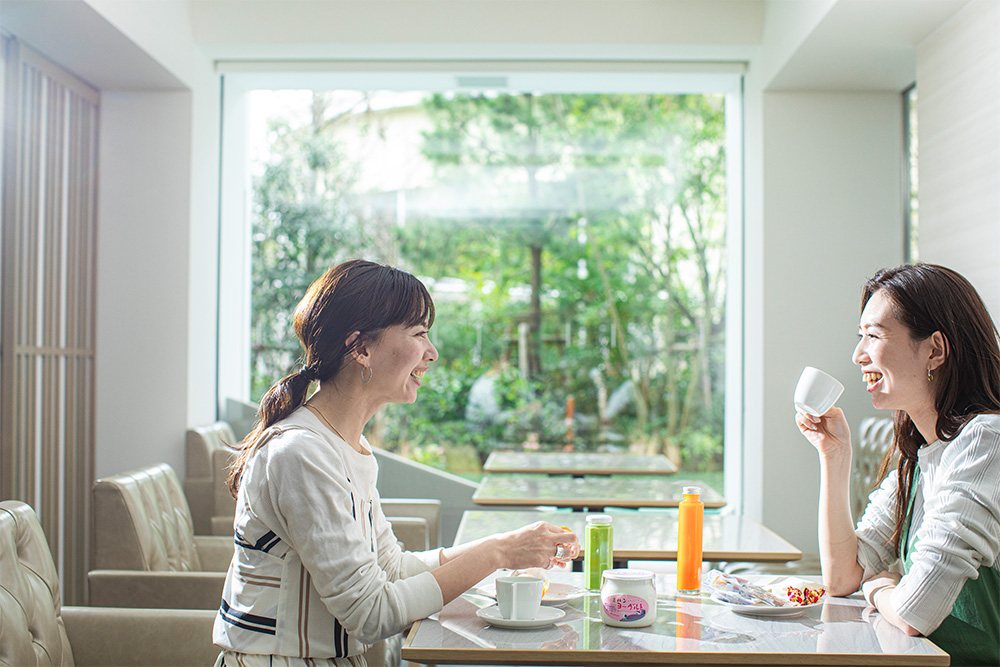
x=831, y=215
x=958, y=89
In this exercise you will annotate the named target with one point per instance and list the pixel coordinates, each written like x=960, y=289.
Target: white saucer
x=556, y=595
x=765, y=610
x=546, y=616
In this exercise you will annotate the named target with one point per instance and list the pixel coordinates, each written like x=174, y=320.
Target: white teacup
x=816, y=391
x=519, y=597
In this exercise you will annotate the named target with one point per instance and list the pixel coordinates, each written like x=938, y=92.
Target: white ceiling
x=71, y=33
x=800, y=44
x=863, y=45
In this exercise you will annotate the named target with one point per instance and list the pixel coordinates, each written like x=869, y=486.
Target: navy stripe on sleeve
x=265, y=543
x=252, y=622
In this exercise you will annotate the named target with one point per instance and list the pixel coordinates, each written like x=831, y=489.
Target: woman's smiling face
x=400, y=358
x=893, y=365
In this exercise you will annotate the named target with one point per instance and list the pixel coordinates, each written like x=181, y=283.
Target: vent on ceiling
x=481, y=81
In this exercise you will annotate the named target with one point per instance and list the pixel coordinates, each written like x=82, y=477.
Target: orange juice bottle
x=690, y=522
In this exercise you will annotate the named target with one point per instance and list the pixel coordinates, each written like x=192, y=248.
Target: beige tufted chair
x=145, y=551
x=207, y=459
x=874, y=440
x=35, y=629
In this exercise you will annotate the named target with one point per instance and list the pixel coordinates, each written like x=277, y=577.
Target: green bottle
x=597, y=558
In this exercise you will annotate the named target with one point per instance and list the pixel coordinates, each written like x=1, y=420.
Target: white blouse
x=956, y=519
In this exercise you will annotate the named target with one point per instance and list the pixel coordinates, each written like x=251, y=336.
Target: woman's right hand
x=534, y=545
x=830, y=433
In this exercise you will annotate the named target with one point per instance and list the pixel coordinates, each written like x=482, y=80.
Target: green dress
x=971, y=633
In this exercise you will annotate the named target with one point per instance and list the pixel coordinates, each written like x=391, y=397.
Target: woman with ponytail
x=929, y=351
x=317, y=575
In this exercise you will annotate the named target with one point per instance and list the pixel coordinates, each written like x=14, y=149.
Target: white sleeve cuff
x=422, y=594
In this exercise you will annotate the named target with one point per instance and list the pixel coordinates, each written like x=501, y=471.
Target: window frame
x=239, y=78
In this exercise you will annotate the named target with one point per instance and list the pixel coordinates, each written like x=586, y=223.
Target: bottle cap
x=692, y=490
x=598, y=518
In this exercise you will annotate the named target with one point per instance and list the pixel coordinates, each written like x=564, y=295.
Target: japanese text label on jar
x=597, y=557
x=628, y=598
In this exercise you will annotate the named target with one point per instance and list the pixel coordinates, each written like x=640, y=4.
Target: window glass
x=575, y=246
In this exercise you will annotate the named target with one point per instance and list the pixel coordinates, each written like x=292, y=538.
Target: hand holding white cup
x=816, y=392
x=519, y=597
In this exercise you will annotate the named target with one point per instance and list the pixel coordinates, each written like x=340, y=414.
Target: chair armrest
x=165, y=590
x=428, y=509
x=168, y=637
x=214, y=551
x=222, y=525
x=411, y=531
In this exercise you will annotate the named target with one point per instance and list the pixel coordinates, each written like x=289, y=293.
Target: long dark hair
x=926, y=298
x=354, y=296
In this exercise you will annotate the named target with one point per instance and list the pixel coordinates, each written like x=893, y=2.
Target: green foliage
x=616, y=203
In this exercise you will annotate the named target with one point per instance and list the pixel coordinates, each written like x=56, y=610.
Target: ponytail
x=281, y=400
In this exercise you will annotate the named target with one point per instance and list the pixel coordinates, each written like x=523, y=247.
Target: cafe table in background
x=579, y=463
x=590, y=493
x=646, y=535
x=688, y=630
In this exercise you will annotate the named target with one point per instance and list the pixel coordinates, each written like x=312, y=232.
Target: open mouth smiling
x=872, y=378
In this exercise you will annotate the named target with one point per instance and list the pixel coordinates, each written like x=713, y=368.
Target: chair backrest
x=875, y=439
x=207, y=459
x=31, y=625
x=142, y=522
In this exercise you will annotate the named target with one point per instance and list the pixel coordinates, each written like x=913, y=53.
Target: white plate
x=546, y=616
x=764, y=610
x=556, y=595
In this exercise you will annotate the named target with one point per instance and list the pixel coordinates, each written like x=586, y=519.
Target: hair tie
x=309, y=373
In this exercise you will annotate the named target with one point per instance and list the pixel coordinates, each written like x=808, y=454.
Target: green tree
x=302, y=224
x=598, y=221
x=624, y=195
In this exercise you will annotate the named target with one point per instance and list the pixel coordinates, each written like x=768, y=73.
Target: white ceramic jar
x=628, y=598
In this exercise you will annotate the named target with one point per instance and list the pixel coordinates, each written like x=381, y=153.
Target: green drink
x=597, y=557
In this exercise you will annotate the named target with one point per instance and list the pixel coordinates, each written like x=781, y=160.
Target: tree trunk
x=535, y=314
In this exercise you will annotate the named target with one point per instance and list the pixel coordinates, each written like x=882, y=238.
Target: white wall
x=158, y=245
x=142, y=279
x=958, y=104
x=826, y=214
x=163, y=30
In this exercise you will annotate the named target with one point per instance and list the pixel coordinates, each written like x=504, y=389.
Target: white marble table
x=647, y=535
x=579, y=463
x=692, y=631
x=593, y=493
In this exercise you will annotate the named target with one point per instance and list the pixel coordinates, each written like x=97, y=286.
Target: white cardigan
x=956, y=516
x=317, y=571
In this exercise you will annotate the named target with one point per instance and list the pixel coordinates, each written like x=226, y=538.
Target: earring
x=930, y=378
x=370, y=373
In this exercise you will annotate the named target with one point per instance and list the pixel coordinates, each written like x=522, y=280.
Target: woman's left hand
x=883, y=580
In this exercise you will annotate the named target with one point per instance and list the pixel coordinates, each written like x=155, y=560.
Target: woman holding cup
x=318, y=575
x=929, y=351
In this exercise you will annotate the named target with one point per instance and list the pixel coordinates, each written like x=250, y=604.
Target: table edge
x=584, y=502
x=512, y=656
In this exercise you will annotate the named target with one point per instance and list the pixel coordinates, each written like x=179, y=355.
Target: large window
x=579, y=247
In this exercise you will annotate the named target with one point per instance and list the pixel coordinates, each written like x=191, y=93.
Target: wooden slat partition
x=47, y=310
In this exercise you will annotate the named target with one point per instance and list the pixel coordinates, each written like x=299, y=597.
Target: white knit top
x=956, y=518
x=317, y=571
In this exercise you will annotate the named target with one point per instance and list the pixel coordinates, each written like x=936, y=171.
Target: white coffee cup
x=816, y=391
x=519, y=597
